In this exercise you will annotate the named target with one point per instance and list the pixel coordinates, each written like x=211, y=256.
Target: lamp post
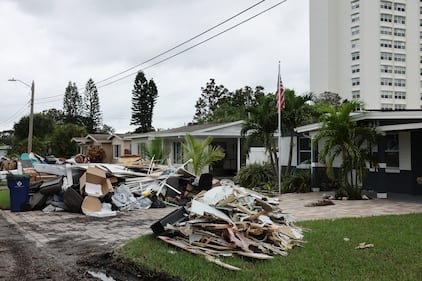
x=31, y=115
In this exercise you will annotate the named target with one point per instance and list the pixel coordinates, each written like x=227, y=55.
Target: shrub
x=300, y=181
x=254, y=175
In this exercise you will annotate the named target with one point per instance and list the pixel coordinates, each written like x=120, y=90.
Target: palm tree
x=261, y=125
x=297, y=113
x=201, y=152
x=346, y=138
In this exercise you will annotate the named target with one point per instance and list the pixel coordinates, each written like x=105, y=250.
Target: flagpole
x=279, y=127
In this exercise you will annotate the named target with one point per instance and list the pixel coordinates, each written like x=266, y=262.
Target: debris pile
x=228, y=220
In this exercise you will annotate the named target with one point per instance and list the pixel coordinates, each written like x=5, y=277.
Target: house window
x=117, y=150
x=142, y=149
x=304, y=150
x=392, y=151
x=177, y=152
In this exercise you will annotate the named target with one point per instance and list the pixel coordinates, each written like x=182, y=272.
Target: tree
x=61, y=144
x=72, y=104
x=347, y=139
x=261, y=125
x=55, y=114
x=296, y=113
x=329, y=98
x=91, y=107
x=212, y=95
x=201, y=152
x=144, y=97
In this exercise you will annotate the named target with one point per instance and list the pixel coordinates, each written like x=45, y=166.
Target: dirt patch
x=65, y=258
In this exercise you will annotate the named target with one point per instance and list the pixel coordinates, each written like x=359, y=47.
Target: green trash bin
x=19, y=191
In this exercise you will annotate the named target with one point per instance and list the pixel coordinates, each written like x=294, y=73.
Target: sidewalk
x=294, y=203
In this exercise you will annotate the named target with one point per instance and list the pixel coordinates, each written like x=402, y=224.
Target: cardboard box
x=91, y=204
x=95, y=183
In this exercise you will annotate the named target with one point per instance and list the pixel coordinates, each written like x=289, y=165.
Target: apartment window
x=399, y=45
x=304, y=150
x=386, y=30
x=386, y=43
x=386, y=18
x=386, y=5
x=355, y=17
x=386, y=106
x=355, y=30
x=355, y=68
x=400, y=19
x=355, y=4
x=401, y=7
x=356, y=94
x=386, y=94
x=400, y=95
x=399, y=107
x=355, y=43
x=386, y=82
x=399, y=32
x=386, y=56
x=420, y=35
x=400, y=82
x=355, y=55
x=420, y=21
x=392, y=151
x=399, y=70
x=356, y=81
x=117, y=150
x=400, y=57
x=386, y=69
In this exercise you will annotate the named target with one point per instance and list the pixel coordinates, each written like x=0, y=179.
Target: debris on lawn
x=323, y=202
x=363, y=245
x=230, y=220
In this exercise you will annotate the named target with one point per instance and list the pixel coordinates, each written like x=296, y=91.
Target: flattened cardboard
x=95, y=176
x=91, y=204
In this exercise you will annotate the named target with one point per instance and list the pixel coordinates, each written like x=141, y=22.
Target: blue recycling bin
x=19, y=191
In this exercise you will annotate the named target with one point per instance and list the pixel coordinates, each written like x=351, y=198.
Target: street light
x=31, y=115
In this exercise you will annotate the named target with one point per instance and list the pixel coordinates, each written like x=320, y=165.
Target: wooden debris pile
x=229, y=220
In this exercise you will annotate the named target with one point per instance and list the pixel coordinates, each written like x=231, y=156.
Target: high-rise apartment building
x=369, y=50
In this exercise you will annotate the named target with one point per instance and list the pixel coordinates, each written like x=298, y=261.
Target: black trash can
x=19, y=191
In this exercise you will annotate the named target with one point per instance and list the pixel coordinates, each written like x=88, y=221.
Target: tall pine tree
x=144, y=97
x=72, y=104
x=91, y=107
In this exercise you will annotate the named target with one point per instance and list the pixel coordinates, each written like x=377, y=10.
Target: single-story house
x=399, y=150
x=225, y=135
x=4, y=149
x=103, y=141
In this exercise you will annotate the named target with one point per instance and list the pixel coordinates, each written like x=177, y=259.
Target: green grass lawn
x=326, y=255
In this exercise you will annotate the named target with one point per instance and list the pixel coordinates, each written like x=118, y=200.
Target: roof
x=230, y=129
x=102, y=138
x=384, y=120
x=119, y=136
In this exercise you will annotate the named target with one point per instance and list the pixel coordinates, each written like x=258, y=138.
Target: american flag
x=279, y=94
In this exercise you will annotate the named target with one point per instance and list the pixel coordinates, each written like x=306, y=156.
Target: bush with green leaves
x=299, y=181
x=255, y=175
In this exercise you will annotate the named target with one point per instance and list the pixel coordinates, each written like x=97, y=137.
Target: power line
x=19, y=111
x=193, y=46
x=180, y=44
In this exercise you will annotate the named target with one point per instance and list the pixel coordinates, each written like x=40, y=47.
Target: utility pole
x=31, y=115
x=31, y=119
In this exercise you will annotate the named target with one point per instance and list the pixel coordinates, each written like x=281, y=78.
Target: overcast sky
x=52, y=42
